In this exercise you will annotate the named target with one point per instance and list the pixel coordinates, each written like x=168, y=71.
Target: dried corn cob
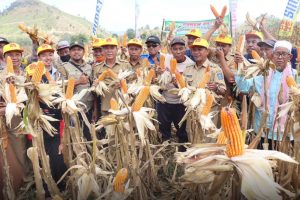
x=149, y=77
x=13, y=94
x=38, y=73
x=223, y=13
x=180, y=80
x=241, y=43
x=138, y=72
x=208, y=104
x=112, y=74
x=9, y=65
x=103, y=75
x=48, y=76
x=124, y=87
x=70, y=88
x=145, y=63
x=205, y=79
x=124, y=40
x=222, y=138
x=113, y=104
x=214, y=11
x=233, y=132
x=290, y=81
x=162, y=62
x=173, y=65
x=120, y=180
x=255, y=55
x=141, y=98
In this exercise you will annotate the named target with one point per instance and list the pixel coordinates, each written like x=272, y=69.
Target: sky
x=119, y=15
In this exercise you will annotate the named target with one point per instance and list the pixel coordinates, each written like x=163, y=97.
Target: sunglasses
x=152, y=45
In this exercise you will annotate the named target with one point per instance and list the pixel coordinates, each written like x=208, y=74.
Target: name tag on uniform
x=189, y=75
x=220, y=76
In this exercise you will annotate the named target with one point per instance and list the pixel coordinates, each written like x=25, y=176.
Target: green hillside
x=47, y=18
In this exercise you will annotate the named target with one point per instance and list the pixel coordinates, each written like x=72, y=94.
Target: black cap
x=153, y=39
x=270, y=43
x=177, y=40
x=76, y=44
x=3, y=40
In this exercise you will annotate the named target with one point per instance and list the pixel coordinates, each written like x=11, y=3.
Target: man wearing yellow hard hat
x=98, y=51
x=135, y=48
x=194, y=74
x=110, y=50
x=14, y=51
x=252, y=38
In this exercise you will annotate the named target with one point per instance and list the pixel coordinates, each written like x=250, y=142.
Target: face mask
x=65, y=58
x=100, y=59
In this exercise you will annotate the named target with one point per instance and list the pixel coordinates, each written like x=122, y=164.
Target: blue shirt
x=247, y=85
x=188, y=53
x=150, y=59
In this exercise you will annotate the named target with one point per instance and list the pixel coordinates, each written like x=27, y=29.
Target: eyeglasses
x=152, y=45
x=282, y=54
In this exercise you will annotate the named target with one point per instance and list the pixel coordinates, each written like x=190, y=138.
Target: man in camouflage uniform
x=82, y=72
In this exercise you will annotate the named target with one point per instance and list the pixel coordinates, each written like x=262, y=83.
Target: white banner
x=97, y=14
x=233, y=15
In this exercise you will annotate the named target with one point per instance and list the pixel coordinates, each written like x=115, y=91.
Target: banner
x=97, y=14
x=182, y=27
x=289, y=18
x=233, y=15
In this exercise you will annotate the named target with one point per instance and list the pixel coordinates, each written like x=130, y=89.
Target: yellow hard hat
x=224, y=39
x=110, y=41
x=201, y=43
x=194, y=32
x=135, y=41
x=12, y=47
x=97, y=43
x=43, y=48
x=254, y=33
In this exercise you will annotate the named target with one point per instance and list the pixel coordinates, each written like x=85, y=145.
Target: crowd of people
x=196, y=56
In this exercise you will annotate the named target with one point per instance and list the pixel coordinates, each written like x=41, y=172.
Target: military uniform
x=69, y=70
x=119, y=65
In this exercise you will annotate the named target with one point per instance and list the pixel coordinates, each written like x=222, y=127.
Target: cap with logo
x=153, y=39
x=110, y=42
x=194, y=32
x=201, y=43
x=12, y=47
x=43, y=48
x=135, y=41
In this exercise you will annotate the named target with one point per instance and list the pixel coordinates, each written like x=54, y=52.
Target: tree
x=130, y=33
x=80, y=38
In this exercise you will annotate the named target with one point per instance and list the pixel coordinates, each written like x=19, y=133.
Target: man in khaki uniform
x=110, y=49
x=135, y=48
x=82, y=72
x=194, y=74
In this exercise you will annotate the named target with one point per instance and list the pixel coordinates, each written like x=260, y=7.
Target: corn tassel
x=208, y=104
x=149, y=77
x=121, y=178
x=233, y=132
x=214, y=11
x=180, y=80
x=255, y=55
x=141, y=98
x=290, y=81
x=113, y=104
x=9, y=65
x=13, y=94
x=38, y=72
x=173, y=65
x=205, y=79
x=124, y=87
x=162, y=62
x=223, y=13
x=70, y=88
x=112, y=74
x=48, y=76
x=103, y=75
x=222, y=138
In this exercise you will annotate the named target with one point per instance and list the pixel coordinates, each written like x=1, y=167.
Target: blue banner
x=97, y=14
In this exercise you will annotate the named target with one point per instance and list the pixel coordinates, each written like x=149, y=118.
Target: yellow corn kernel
x=124, y=87
x=38, y=73
x=214, y=11
x=149, y=77
x=290, y=81
x=13, y=94
x=70, y=88
x=9, y=65
x=112, y=74
x=222, y=138
x=205, y=79
x=180, y=80
x=113, y=104
x=173, y=65
x=208, y=104
x=120, y=180
x=232, y=131
x=103, y=75
x=255, y=55
x=162, y=62
x=141, y=98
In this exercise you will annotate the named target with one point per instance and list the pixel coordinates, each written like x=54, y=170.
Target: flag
x=233, y=16
x=289, y=18
x=97, y=14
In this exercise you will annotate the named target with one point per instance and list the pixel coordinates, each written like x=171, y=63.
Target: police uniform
x=99, y=69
